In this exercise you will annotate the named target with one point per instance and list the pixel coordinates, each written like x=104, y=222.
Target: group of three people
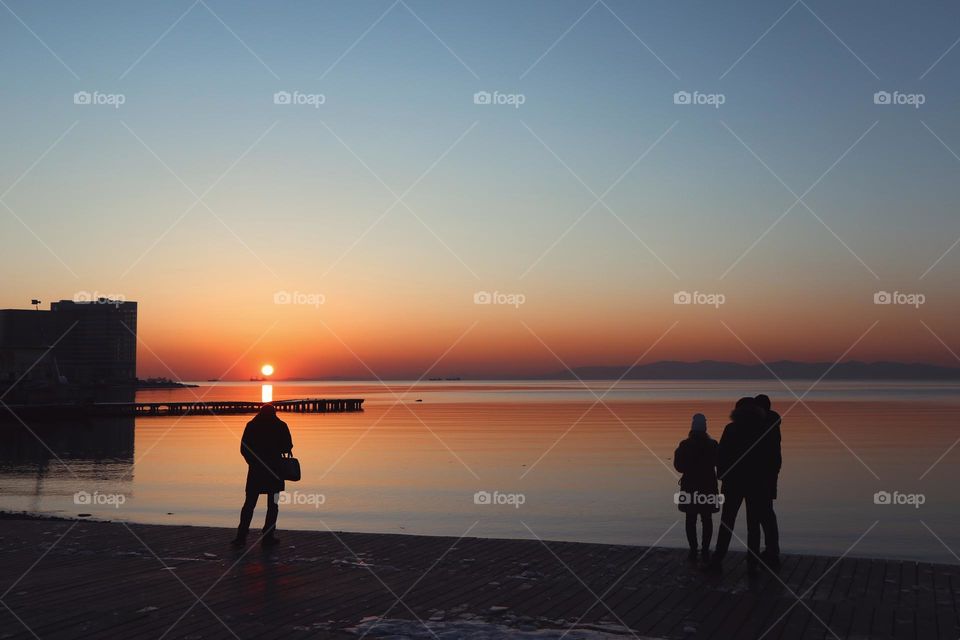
x=747, y=462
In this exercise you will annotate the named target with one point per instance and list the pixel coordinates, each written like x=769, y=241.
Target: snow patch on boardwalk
x=476, y=630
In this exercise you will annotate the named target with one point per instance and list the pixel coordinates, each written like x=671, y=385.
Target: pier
x=303, y=405
x=179, y=408
x=69, y=579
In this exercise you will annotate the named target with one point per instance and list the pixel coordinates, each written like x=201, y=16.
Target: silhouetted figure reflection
x=742, y=463
x=770, y=441
x=265, y=439
x=696, y=459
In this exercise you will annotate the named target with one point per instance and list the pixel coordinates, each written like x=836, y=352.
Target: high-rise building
x=78, y=351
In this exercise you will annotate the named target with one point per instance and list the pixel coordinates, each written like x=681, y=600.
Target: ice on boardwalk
x=395, y=629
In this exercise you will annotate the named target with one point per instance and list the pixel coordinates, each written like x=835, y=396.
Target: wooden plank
x=954, y=596
x=799, y=618
x=775, y=601
x=846, y=607
x=946, y=615
x=884, y=604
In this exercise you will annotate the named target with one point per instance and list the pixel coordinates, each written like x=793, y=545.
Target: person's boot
x=705, y=555
x=692, y=555
x=239, y=541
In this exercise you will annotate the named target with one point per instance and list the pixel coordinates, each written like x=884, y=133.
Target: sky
x=150, y=152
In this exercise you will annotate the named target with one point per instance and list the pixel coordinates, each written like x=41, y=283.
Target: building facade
x=77, y=352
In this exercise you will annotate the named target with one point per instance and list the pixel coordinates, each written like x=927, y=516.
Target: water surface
x=586, y=470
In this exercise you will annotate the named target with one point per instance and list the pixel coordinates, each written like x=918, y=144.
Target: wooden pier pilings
x=177, y=408
x=226, y=407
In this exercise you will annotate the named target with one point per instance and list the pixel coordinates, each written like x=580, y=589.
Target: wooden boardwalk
x=62, y=579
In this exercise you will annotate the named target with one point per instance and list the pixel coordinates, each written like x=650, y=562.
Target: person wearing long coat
x=696, y=459
x=768, y=520
x=265, y=440
x=743, y=465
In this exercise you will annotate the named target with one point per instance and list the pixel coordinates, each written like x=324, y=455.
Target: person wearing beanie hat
x=696, y=459
x=699, y=423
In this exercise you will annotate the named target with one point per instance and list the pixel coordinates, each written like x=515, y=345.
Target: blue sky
x=297, y=208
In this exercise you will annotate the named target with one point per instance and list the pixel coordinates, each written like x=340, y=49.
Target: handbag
x=289, y=467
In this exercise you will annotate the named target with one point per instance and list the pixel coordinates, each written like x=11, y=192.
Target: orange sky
x=466, y=339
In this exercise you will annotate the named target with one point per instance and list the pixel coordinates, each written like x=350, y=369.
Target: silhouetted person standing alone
x=768, y=517
x=265, y=439
x=696, y=459
x=740, y=466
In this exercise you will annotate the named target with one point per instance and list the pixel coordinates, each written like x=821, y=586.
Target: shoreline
x=111, y=579
x=675, y=543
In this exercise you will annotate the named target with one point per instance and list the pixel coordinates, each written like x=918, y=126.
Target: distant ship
x=162, y=383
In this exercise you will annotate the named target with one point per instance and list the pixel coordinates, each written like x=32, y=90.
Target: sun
x=267, y=369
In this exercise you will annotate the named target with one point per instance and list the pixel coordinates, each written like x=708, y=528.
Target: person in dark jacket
x=265, y=439
x=696, y=459
x=742, y=462
x=768, y=519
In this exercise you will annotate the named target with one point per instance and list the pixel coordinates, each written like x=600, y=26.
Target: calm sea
x=555, y=461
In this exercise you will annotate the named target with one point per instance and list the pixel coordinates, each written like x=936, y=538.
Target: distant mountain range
x=718, y=370
x=713, y=370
